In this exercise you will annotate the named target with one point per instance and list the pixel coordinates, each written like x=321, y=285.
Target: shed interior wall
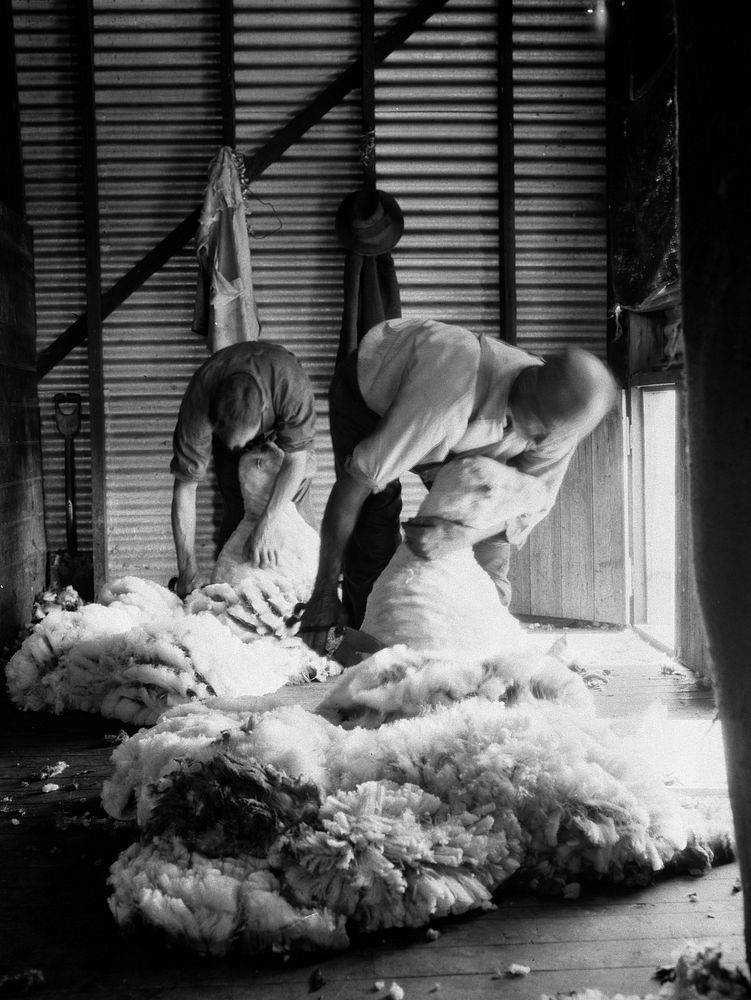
x=159, y=122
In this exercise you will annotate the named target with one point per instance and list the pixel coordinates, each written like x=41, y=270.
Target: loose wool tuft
x=697, y=973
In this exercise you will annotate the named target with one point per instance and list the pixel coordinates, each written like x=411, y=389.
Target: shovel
x=69, y=567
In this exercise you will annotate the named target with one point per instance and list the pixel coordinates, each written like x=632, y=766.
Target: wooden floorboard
x=56, y=848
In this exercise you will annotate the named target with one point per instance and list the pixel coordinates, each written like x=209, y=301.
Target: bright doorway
x=653, y=465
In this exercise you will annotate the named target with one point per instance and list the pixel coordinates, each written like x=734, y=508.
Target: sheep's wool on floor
x=433, y=772
x=281, y=829
x=141, y=650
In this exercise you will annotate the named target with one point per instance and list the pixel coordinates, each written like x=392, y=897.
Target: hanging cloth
x=225, y=308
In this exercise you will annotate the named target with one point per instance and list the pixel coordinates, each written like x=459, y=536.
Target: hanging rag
x=225, y=307
x=368, y=230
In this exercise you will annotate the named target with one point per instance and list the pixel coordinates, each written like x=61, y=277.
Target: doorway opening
x=653, y=465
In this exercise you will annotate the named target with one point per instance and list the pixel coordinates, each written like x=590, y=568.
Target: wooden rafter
x=85, y=39
x=506, y=199
x=227, y=69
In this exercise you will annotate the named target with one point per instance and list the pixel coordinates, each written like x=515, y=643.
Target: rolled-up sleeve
x=295, y=407
x=428, y=416
x=191, y=441
x=548, y=463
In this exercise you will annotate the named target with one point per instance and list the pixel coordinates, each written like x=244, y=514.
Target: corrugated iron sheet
x=158, y=106
x=51, y=146
x=436, y=152
x=559, y=138
x=159, y=124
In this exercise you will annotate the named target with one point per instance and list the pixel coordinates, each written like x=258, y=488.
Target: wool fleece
x=141, y=650
x=281, y=829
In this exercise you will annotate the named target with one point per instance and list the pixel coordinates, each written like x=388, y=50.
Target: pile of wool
x=398, y=682
x=297, y=542
x=141, y=650
x=449, y=605
x=416, y=819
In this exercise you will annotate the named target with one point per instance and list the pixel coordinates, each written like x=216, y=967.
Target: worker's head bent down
x=237, y=413
x=570, y=393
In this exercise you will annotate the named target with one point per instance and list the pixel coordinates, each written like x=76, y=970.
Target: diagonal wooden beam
x=329, y=97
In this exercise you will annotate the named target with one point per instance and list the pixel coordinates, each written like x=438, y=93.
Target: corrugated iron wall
x=574, y=563
x=51, y=146
x=559, y=139
x=285, y=54
x=436, y=151
x=159, y=124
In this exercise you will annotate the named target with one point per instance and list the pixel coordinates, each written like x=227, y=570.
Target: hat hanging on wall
x=369, y=223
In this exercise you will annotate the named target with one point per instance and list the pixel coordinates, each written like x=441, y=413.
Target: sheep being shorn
x=445, y=632
x=297, y=541
x=449, y=605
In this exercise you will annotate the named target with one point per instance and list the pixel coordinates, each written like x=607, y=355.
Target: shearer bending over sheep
x=245, y=396
x=416, y=394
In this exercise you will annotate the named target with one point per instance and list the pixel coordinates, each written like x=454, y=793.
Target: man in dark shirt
x=244, y=396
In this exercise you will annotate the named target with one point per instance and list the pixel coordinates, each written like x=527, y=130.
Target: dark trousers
x=377, y=532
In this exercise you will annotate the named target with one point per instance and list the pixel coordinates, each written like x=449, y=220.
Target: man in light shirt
x=418, y=393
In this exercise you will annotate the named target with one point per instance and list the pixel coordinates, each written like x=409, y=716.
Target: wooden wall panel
x=573, y=565
x=692, y=646
x=22, y=541
x=609, y=521
x=159, y=119
x=545, y=566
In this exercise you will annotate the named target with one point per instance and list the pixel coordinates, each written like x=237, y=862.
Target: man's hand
x=188, y=581
x=319, y=616
x=432, y=537
x=261, y=548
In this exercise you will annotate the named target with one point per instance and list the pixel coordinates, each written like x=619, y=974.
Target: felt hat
x=369, y=224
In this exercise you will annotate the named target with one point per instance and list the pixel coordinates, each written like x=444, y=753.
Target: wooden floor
x=57, y=847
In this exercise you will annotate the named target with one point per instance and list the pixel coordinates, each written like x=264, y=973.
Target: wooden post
x=227, y=70
x=506, y=200
x=714, y=125
x=94, y=317
x=368, y=147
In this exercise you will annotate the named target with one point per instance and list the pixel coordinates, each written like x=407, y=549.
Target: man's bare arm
x=340, y=517
x=184, y=535
x=261, y=547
